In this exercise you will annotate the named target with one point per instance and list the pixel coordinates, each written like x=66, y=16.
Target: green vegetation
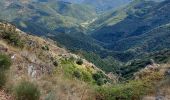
x=72, y=70
x=45, y=47
x=162, y=56
x=55, y=16
x=2, y=79
x=13, y=39
x=55, y=63
x=127, y=71
x=107, y=64
x=26, y=91
x=79, y=61
x=100, y=78
x=131, y=90
x=77, y=74
x=5, y=63
x=124, y=40
x=86, y=76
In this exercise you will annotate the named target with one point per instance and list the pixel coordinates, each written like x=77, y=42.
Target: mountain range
x=78, y=26
x=141, y=28
x=73, y=49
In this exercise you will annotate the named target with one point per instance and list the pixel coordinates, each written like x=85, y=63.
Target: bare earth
x=4, y=96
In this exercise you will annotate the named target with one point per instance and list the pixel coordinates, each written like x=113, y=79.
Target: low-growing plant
x=131, y=90
x=101, y=81
x=13, y=38
x=100, y=78
x=45, y=47
x=2, y=79
x=26, y=91
x=55, y=63
x=86, y=76
x=5, y=62
x=79, y=61
x=77, y=74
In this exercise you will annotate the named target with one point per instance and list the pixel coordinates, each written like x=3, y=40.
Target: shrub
x=79, y=61
x=26, y=91
x=45, y=47
x=13, y=38
x=98, y=75
x=77, y=74
x=5, y=62
x=2, y=79
x=131, y=90
x=55, y=63
x=100, y=78
x=101, y=81
x=86, y=76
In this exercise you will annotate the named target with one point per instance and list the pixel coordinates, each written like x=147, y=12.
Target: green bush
x=13, y=38
x=131, y=90
x=45, y=48
x=86, y=76
x=26, y=91
x=100, y=78
x=77, y=74
x=2, y=79
x=5, y=62
x=79, y=61
x=70, y=69
x=101, y=81
x=55, y=63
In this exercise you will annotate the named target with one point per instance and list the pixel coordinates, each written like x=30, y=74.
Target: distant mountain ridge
x=52, y=14
x=140, y=18
x=102, y=5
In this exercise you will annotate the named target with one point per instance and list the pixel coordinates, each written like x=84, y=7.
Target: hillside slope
x=128, y=30
x=45, y=16
x=102, y=5
x=62, y=75
x=135, y=19
x=153, y=40
x=57, y=72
